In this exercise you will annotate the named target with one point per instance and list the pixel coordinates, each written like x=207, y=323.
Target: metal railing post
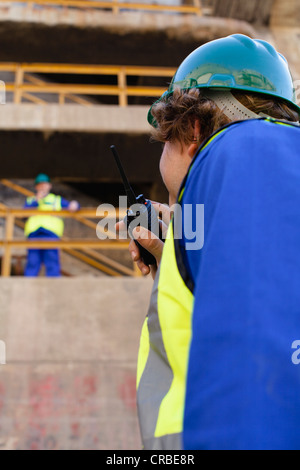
x=9, y=232
x=61, y=98
x=19, y=76
x=122, y=83
x=115, y=7
x=198, y=4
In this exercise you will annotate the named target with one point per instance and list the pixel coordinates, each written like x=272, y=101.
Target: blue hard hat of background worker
x=42, y=178
x=235, y=62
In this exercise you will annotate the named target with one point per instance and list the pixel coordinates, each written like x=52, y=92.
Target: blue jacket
x=243, y=386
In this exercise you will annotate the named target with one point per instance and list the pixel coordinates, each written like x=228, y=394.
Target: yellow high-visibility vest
x=48, y=222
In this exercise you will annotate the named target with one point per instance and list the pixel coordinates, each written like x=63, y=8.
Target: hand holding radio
x=148, y=240
x=142, y=224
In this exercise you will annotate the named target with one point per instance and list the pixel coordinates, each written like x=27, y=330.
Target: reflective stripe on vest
x=51, y=223
x=163, y=356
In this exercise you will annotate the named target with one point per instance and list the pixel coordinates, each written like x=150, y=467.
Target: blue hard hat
x=42, y=178
x=236, y=62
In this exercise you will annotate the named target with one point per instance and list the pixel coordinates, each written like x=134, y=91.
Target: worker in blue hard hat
x=45, y=227
x=216, y=367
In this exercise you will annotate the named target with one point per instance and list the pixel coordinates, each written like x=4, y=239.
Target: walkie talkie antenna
x=129, y=191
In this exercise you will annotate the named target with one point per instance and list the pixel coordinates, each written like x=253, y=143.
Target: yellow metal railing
x=27, y=86
x=87, y=255
x=88, y=246
x=117, y=6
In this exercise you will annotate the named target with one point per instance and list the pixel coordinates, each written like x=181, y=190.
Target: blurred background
x=79, y=76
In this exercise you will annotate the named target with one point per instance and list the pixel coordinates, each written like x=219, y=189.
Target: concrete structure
x=34, y=34
x=257, y=12
x=71, y=351
x=285, y=33
x=71, y=344
x=285, y=14
x=100, y=37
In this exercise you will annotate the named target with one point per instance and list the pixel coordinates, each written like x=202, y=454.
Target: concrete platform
x=71, y=351
x=75, y=118
x=33, y=34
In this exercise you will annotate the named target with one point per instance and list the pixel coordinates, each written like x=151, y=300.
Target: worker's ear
x=193, y=147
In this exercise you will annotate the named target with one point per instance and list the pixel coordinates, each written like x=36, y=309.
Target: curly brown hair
x=175, y=117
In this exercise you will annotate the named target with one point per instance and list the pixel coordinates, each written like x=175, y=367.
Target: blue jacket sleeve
x=32, y=204
x=65, y=203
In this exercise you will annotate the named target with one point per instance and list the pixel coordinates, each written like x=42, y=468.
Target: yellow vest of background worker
x=48, y=222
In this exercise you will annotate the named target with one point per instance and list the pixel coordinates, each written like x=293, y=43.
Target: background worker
x=215, y=367
x=45, y=227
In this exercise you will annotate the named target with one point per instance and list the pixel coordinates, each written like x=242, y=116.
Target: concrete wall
x=71, y=345
x=285, y=13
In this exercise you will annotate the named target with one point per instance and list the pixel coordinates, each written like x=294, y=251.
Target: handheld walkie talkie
x=140, y=210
